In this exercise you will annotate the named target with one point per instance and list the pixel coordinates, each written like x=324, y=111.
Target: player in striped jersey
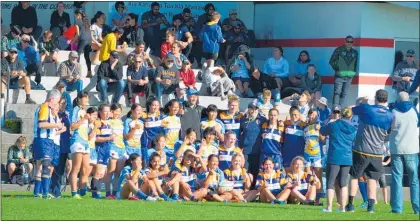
x=208, y=145
x=293, y=140
x=152, y=126
x=271, y=184
x=241, y=180
x=133, y=130
x=227, y=150
x=156, y=175
x=187, y=144
x=44, y=143
x=159, y=148
x=212, y=121
x=93, y=127
x=303, y=184
x=171, y=126
x=231, y=119
x=272, y=139
x=186, y=172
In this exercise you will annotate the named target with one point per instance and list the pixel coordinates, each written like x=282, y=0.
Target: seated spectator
x=167, y=77
x=70, y=71
x=166, y=46
x=177, y=55
x=240, y=74
x=139, y=50
x=324, y=112
x=110, y=44
x=119, y=16
x=48, y=50
x=132, y=31
x=301, y=68
x=211, y=35
x=217, y=83
x=24, y=15
x=19, y=156
x=137, y=80
x=96, y=33
x=187, y=19
x=84, y=44
x=186, y=75
x=60, y=21
x=234, y=39
x=261, y=82
x=18, y=79
x=312, y=83
x=12, y=39
x=151, y=22
x=30, y=58
x=234, y=21
x=278, y=68
x=110, y=79
x=183, y=35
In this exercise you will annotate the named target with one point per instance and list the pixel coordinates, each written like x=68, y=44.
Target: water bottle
x=25, y=175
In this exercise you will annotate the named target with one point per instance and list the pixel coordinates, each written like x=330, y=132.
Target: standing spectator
x=30, y=58
x=110, y=44
x=312, y=83
x=234, y=21
x=183, y=35
x=12, y=39
x=167, y=77
x=110, y=78
x=60, y=21
x=84, y=44
x=344, y=62
x=19, y=156
x=324, y=112
x=191, y=113
x=151, y=21
x=96, y=33
x=179, y=58
x=405, y=73
x=375, y=121
x=70, y=71
x=339, y=159
x=261, y=82
x=278, y=68
x=240, y=74
x=301, y=68
x=18, y=79
x=404, y=147
x=211, y=35
x=186, y=74
x=137, y=80
x=119, y=16
x=132, y=31
x=25, y=16
x=235, y=38
x=166, y=46
x=416, y=80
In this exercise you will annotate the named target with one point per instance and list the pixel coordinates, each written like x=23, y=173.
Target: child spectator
x=186, y=75
x=18, y=156
x=264, y=103
x=312, y=83
x=324, y=111
x=211, y=35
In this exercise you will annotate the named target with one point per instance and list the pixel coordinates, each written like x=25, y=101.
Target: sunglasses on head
x=26, y=41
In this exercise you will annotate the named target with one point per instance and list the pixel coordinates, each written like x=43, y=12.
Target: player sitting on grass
x=155, y=177
x=270, y=184
x=185, y=171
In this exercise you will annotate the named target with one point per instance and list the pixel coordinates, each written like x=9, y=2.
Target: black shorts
x=212, y=56
x=362, y=164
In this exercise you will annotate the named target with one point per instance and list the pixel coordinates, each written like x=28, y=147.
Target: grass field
x=66, y=208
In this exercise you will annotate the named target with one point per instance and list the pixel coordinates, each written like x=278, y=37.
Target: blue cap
x=410, y=51
x=192, y=92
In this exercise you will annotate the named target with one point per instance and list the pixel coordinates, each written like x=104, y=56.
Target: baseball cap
x=169, y=58
x=232, y=11
x=381, y=95
x=115, y=54
x=186, y=61
x=410, y=51
x=192, y=91
x=403, y=96
x=252, y=105
x=323, y=101
x=74, y=54
x=14, y=49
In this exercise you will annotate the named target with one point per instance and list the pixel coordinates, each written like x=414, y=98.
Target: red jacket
x=188, y=77
x=165, y=48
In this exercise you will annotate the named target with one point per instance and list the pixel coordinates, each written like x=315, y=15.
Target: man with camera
x=69, y=72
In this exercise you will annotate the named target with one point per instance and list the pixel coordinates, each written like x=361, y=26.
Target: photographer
x=69, y=72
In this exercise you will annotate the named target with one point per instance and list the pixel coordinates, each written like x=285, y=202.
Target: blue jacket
x=65, y=137
x=250, y=134
x=415, y=83
x=342, y=135
x=211, y=35
x=28, y=55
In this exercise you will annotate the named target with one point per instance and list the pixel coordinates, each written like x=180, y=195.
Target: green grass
x=28, y=208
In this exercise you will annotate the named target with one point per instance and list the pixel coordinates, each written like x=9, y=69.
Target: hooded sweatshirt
x=211, y=35
x=402, y=139
x=311, y=85
x=341, y=137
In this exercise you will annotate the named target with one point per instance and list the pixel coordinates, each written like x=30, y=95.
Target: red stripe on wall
x=365, y=80
x=326, y=42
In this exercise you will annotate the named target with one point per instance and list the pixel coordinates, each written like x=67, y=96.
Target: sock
x=2, y=95
x=351, y=200
x=141, y=195
x=94, y=195
x=94, y=187
x=318, y=196
x=73, y=193
x=107, y=193
x=82, y=192
x=175, y=196
x=363, y=190
x=371, y=202
x=164, y=196
x=114, y=192
x=45, y=185
x=28, y=96
x=192, y=198
x=37, y=187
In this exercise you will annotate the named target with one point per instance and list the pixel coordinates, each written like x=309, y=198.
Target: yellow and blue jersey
x=45, y=115
x=217, y=124
x=152, y=127
x=272, y=139
x=193, y=147
x=312, y=147
x=171, y=130
x=215, y=181
x=275, y=181
x=92, y=141
x=188, y=174
x=225, y=156
x=162, y=154
x=302, y=181
x=117, y=127
x=135, y=174
x=149, y=170
x=130, y=124
x=104, y=130
x=80, y=133
x=293, y=140
x=209, y=149
x=232, y=122
x=237, y=177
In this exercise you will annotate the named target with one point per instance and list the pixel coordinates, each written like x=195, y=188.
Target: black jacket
x=57, y=20
x=131, y=35
x=191, y=119
x=265, y=82
x=24, y=17
x=105, y=72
